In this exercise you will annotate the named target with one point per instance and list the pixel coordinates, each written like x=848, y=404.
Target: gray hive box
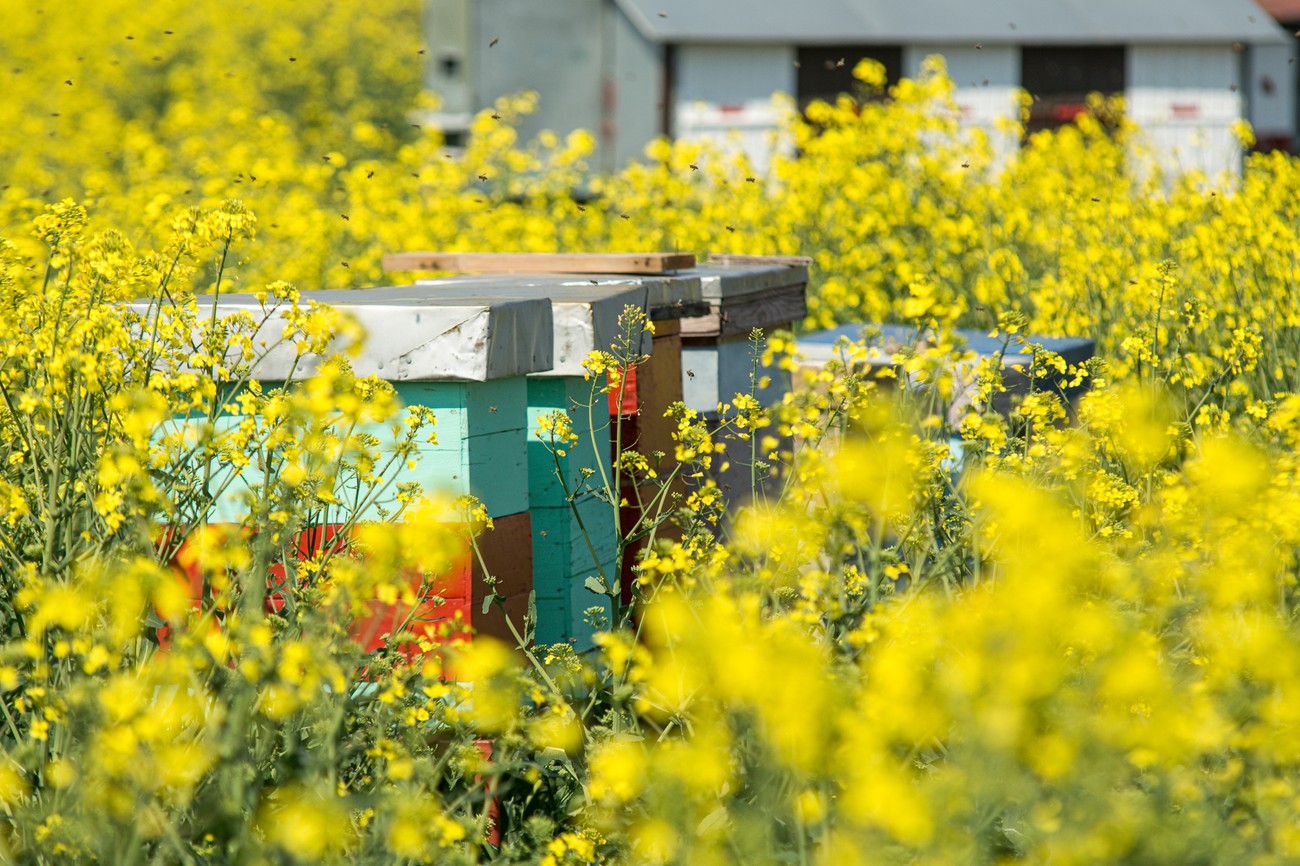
x=882, y=342
x=717, y=355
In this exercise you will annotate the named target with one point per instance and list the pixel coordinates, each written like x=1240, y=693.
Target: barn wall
x=638, y=92
x=1183, y=97
x=724, y=95
x=553, y=48
x=1272, y=99
x=986, y=81
x=451, y=59
x=734, y=74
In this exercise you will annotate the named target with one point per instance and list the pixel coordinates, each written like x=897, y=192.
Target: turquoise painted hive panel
x=590, y=452
x=564, y=557
x=481, y=449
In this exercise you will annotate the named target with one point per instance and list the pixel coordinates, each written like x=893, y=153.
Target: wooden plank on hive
x=789, y=261
x=518, y=263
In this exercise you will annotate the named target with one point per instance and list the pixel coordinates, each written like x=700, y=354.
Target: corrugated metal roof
x=812, y=22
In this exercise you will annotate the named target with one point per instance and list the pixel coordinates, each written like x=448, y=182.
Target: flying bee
x=493, y=42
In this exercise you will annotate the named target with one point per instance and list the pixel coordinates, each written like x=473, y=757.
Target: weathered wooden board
x=720, y=283
x=585, y=312
x=675, y=297
x=769, y=309
x=518, y=263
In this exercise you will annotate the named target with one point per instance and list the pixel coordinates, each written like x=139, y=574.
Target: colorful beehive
x=575, y=527
x=466, y=358
x=666, y=291
x=718, y=355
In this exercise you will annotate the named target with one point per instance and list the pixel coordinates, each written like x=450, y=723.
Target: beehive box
x=719, y=359
x=575, y=529
x=636, y=412
x=743, y=293
x=652, y=387
x=883, y=342
x=465, y=358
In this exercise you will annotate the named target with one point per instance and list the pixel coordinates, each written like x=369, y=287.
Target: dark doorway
x=1060, y=77
x=826, y=71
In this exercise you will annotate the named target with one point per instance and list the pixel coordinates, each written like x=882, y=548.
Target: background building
x=630, y=70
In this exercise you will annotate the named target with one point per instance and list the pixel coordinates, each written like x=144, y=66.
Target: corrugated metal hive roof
x=811, y=22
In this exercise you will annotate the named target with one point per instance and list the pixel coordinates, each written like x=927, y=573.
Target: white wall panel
x=1186, y=98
